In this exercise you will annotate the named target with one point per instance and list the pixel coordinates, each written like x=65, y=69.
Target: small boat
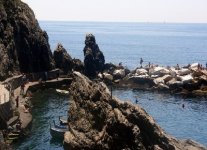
x=57, y=132
x=60, y=126
x=63, y=121
x=62, y=91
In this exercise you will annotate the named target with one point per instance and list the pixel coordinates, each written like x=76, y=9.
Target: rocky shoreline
x=96, y=119
x=188, y=80
x=99, y=121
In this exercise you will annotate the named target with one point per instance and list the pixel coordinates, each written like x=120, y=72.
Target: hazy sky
x=121, y=10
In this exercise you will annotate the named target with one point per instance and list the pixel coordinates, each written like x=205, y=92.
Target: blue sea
x=158, y=43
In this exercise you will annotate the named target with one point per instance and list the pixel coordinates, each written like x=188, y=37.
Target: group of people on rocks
x=200, y=66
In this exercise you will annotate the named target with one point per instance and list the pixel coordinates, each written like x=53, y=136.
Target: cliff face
x=24, y=46
x=97, y=121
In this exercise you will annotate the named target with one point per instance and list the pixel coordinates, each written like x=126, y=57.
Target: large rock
x=140, y=82
x=93, y=58
x=24, y=46
x=99, y=121
x=62, y=59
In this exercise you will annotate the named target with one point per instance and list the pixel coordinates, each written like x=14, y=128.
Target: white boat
x=62, y=91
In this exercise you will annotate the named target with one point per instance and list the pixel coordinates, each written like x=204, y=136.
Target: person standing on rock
x=141, y=61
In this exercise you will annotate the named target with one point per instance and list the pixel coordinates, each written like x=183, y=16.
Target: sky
x=184, y=11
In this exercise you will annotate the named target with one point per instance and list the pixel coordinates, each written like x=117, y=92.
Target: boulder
x=186, y=78
x=99, y=121
x=163, y=79
x=119, y=74
x=174, y=84
x=24, y=47
x=141, y=71
x=93, y=58
x=108, y=76
x=194, y=66
x=183, y=72
x=160, y=71
x=138, y=82
x=162, y=87
x=159, y=80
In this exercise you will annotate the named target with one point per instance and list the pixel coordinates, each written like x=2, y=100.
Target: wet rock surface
x=24, y=46
x=99, y=121
x=93, y=58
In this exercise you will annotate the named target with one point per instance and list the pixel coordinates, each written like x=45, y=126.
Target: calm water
x=165, y=44
x=48, y=106
x=183, y=123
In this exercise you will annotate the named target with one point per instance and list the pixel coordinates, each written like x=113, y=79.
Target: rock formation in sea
x=99, y=121
x=64, y=61
x=93, y=58
x=24, y=46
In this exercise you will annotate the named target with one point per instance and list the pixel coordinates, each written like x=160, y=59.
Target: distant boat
x=57, y=132
x=62, y=91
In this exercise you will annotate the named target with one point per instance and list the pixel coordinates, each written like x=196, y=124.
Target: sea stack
x=24, y=46
x=93, y=58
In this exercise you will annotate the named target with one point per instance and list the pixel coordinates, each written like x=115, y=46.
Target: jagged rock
x=160, y=71
x=78, y=65
x=24, y=46
x=174, y=84
x=93, y=58
x=194, y=66
x=186, y=78
x=109, y=67
x=108, y=76
x=4, y=146
x=141, y=71
x=140, y=82
x=183, y=72
x=98, y=121
x=62, y=59
x=119, y=73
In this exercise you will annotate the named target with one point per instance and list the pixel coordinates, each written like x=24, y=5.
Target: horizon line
x=99, y=21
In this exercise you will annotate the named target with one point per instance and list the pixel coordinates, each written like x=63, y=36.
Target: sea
x=165, y=44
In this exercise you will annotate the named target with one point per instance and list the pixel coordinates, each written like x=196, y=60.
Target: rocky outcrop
x=24, y=46
x=64, y=61
x=93, y=58
x=189, y=80
x=4, y=146
x=99, y=121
